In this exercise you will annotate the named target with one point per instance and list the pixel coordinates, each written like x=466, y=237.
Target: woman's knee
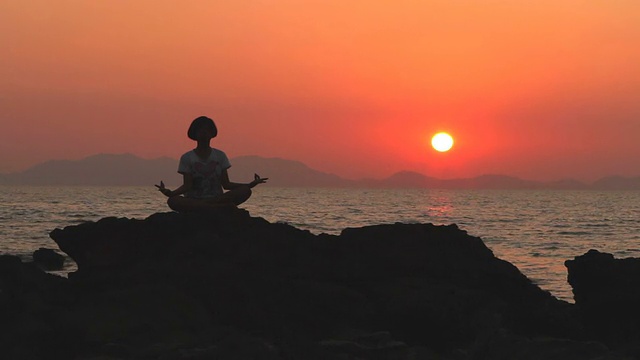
x=174, y=203
x=241, y=195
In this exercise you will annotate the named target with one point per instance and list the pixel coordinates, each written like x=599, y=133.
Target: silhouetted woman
x=204, y=173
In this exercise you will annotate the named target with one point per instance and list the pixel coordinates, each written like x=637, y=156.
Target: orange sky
x=542, y=90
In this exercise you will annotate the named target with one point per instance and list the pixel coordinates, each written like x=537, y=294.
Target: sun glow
x=442, y=141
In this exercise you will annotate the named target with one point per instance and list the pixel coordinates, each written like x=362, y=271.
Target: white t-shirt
x=206, y=173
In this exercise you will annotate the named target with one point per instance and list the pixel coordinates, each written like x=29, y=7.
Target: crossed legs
x=231, y=198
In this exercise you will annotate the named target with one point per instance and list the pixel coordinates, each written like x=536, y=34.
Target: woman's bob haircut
x=198, y=123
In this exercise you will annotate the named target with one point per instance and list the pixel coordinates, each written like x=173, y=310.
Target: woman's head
x=202, y=123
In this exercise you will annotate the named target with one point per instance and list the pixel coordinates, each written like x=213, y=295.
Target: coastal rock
x=223, y=284
x=48, y=259
x=29, y=304
x=607, y=294
x=508, y=346
x=432, y=286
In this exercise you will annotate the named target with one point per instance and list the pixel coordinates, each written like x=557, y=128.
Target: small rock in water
x=48, y=259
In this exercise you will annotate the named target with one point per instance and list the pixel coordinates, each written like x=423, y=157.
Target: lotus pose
x=204, y=173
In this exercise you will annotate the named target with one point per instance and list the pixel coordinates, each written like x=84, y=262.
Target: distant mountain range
x=103, y=169
x=128, y=169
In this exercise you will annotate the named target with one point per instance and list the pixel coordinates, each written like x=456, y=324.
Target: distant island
x=131, y=170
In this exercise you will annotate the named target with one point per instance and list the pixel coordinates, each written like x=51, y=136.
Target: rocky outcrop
x=607, y=295
x=31, y=327
x=48, y=259
x=228, y=285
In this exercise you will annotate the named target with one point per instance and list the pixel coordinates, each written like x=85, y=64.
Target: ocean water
x=535, y=230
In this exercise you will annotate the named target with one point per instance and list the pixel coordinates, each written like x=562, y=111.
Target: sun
x=442, y=141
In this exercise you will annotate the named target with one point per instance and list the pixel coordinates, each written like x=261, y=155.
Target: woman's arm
x=228, y=185
x=187, y=183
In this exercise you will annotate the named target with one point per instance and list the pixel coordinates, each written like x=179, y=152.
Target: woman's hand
x=257, y=180
x=163, y=189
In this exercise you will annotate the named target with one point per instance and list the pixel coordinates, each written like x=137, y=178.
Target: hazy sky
x=542, y=90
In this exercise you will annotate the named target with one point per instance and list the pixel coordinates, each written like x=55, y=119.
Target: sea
x=534, y=230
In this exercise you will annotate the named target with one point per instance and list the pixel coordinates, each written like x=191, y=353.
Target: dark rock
x=506, y=346
x=30, y=301
x=433, y=286
x=228, y=285
x=367, y=345
x=48, y=259
x=607, y=294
